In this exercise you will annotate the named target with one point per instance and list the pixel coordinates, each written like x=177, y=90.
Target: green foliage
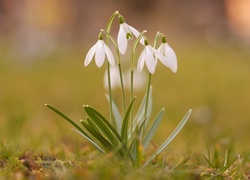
x=98, y=131
x=224, y=166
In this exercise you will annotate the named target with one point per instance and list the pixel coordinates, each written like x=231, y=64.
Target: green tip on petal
x=100, y=37
x=163, y=39
x=121, y=19
x=146, y=42
x=129, y=36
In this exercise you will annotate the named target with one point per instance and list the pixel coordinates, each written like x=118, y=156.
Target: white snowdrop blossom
x=100, y=50
x=170, y=55
x=125, y=33
x=149, y=56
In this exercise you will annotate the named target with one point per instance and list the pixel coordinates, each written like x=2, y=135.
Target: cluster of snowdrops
x=127, y=132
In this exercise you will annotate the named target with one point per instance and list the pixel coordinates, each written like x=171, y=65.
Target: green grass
x=213, y=81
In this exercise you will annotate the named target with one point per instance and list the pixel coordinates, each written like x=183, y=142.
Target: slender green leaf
x=107, y=123
x=90, y=140
x=101, y=125
x=117, y=115
x=98, y=136
x=182, y=162
x=132, y=147
x=100, y=121
x=124, y=130
x=226, y=159
x=209, y=161
x=139, y=155
x=152, y=129
x=170, y=138
x=92, y=125
x=67, y=119
x=139, y=117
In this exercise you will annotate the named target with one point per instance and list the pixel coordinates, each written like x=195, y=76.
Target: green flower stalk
x=119, y=66
x=108, y=27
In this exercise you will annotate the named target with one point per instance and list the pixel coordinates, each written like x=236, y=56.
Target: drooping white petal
x=133, y=30
x=162, y=49
x=159, y=55
x=171, y=56
x=126, y=29
x=122, y=39
x=150, y=60
x=90, y=54
x=100, y=54
x=141, y=61
x=136, y=33
x=109, y=54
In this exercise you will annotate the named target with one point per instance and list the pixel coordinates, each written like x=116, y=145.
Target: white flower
x=171, y=58
x=125, y=33
x=149, y=56
x=100, y=50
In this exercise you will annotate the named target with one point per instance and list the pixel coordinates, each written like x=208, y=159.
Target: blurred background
x=43, y=45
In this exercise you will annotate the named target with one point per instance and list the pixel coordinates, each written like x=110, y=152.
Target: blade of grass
x=105, y=121
x=170, y=138
x=98, y=136
x=152, y=130
x=124, y=130
x=132, y=148
x=67, y=119
x=209, y=161
x=102, y=122
x=117, y=116
x=101, y=125
x=139, y=117
x=93, y=125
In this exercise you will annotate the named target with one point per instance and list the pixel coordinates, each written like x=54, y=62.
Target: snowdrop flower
x=170, y=55
x=149, y=56
x=100, y=50
x=125, y=33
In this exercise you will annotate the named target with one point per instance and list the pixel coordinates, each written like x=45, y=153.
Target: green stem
x=110, y=21
x=119, y=66
x=131, y=98
x=110, y=99
x=147, y=95
x=108, y=27
x=132, y=79
x=119, y=59
x=158, y=35
x=122, y=86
